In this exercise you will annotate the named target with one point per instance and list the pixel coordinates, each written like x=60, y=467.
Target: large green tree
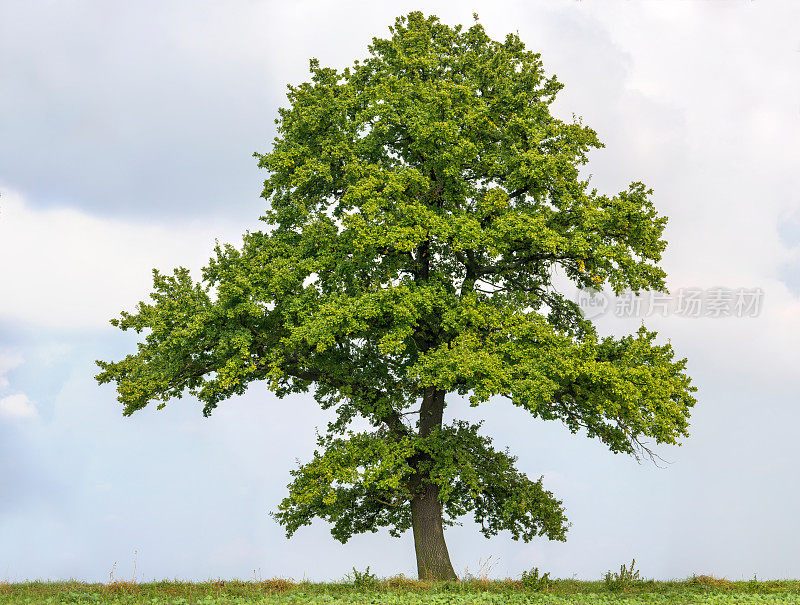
x=420, y=203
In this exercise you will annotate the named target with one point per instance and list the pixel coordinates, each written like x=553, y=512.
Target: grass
x=399, y=590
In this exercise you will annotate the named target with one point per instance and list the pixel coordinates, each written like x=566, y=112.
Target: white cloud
x=8, y=361
x=70, y=270
x=17, y=406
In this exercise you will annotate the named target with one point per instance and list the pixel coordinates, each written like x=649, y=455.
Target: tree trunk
x=433, y=560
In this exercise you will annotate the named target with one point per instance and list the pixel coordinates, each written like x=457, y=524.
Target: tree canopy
x=419, y=204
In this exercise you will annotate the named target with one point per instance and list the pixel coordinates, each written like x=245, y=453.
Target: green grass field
x=700, y=589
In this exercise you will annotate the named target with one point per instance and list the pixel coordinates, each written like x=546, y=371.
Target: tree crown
x=420, y=203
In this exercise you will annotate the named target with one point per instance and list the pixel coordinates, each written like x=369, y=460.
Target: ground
x=698, y=589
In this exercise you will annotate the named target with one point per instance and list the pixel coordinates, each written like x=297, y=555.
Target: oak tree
x=420, y=203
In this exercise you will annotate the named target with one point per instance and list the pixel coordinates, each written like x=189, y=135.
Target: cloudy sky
x=126, y=139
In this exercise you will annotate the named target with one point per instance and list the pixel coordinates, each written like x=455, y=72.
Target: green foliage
x=626, y=577
x=419, y=203
x=533, y=581
x=362, y=579
x=362, y=483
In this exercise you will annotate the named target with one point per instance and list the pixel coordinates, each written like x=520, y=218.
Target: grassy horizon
x=398, y=589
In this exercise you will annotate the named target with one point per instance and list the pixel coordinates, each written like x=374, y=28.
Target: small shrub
x=533, y=581
x=626, y=577
x=362, y=579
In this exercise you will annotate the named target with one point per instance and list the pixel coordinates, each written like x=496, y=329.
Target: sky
x=126, y=139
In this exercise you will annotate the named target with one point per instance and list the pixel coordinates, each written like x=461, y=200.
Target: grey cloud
x=134, y=109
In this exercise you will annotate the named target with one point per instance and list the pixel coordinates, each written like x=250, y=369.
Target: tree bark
x=433, y=560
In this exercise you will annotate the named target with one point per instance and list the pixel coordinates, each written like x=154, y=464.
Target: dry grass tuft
x=400, y=581
x=277, y=584
x=481, y=576
x=710, y=581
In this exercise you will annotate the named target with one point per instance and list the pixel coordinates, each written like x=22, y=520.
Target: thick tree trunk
x=433, y=560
